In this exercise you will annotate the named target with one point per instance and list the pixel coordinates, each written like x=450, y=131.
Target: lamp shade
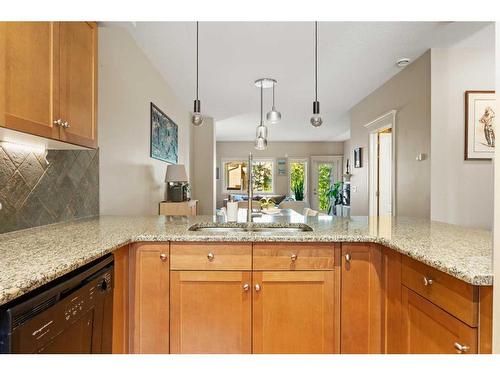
x=176, y=173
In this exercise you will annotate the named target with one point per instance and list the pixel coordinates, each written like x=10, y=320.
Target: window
x=235, y=176
x=298, y=179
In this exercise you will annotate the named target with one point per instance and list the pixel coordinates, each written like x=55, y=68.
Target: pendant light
x=273, y=116
x=316, y=119
x=197, y=119
x=261, y=140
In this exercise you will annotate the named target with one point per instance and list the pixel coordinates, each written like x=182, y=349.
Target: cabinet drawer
x=210, y=256
x=293, y=256
x=453, y=295
x=428, y=329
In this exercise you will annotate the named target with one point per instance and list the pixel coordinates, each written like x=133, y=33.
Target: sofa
x=277, y=198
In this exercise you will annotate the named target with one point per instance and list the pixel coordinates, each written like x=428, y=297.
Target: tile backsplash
x=37, y=190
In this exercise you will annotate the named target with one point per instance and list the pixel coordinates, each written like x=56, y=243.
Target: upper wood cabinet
x=49, y=80
x=427, y=329
x=361, y=299
x=150, y=295
x=293, y=312
x=210, y=312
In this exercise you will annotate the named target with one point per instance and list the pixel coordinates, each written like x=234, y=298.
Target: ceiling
x=354, y=59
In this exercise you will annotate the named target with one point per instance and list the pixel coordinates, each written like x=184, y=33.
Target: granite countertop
x=31, y=258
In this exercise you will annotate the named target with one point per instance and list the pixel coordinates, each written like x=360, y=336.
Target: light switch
x=354, y=188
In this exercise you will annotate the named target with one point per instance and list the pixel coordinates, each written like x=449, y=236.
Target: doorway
x=382, y=166
x=325, y=171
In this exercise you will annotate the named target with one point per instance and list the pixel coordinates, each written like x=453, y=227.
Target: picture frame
x=281, y=167
x=358, y=157
x=164, y=142
x=480, y=109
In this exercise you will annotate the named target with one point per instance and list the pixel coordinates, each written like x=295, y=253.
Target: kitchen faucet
x=250, y=187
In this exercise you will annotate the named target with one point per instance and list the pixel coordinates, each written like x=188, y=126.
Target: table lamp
x=176, y=180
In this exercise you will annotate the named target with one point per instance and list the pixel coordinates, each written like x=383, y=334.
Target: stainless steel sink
x=252, y=228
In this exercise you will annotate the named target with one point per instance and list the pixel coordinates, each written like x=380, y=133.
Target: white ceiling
x=354, y=59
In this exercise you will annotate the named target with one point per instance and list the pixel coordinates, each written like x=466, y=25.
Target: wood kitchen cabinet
x=149, y=312
x=293, y=312
x=48, y=80
x=428, y=329
x=211, y=312
x=361, y=299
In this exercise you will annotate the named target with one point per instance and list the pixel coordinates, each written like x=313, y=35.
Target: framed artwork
x=164, y=137
x=357, y=157
x=480, y=109
x=281, y=167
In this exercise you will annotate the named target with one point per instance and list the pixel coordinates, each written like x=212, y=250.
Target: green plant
x=262, y=176
x=324, y=182
x=334, y=195
x=297, y=178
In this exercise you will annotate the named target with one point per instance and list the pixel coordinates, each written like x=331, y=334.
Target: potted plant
x=334, y=195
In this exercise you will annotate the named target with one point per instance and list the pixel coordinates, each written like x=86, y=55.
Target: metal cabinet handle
x=246, y=287
x=293, y=257
x=461, y=348
x=163, y=257
x=65, y=125
x=428, y=281
x=348, y=257
x=257, y=287
x=210, y=257
x=58, y=122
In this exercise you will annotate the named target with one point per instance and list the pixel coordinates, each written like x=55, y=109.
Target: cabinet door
x=78, y=82
x=210, y=312
x=361, y=299
x=30, y=77
x=150, y=313
x=428, y=329
x=293, y=312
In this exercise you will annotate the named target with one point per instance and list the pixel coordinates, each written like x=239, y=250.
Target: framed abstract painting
x=480, y=109
x=164, y=137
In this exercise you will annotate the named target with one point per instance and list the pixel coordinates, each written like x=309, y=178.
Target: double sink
x=250, y=228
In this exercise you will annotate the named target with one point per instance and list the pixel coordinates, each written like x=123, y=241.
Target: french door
x=325, y=171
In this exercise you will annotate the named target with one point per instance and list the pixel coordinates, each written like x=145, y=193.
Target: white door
x=325, y=171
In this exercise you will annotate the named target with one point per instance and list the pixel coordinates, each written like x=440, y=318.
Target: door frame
x=385, y=121
x=326, y=158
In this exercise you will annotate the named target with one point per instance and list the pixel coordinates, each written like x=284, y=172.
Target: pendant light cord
x=196, y=60
x=316, y=59
x=261, y=103
x=273, y=95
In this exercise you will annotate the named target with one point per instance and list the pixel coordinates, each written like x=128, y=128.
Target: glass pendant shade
x=273, y=116
x=260, y=143
x=316, y=119
x=197, y=118
x=261, y=131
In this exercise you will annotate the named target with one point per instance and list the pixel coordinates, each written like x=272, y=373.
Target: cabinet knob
x=348, y=257
x=461, y=348
x=58, y=122
x=65, y=125
x=163, y=257
x=257, y=287
x=428, y=281
x=246, y=287
x=210, y=257
x=293, y=257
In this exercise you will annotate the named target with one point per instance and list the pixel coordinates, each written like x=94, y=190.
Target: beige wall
x=462, y=191
x=275, y=150
x=408, y=92
x=203, y=173
x=132, y=183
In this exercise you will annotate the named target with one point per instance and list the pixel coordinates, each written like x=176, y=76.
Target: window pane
x=235, y=176
x=324, y=183
x=297, y=180
x=263, y=176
